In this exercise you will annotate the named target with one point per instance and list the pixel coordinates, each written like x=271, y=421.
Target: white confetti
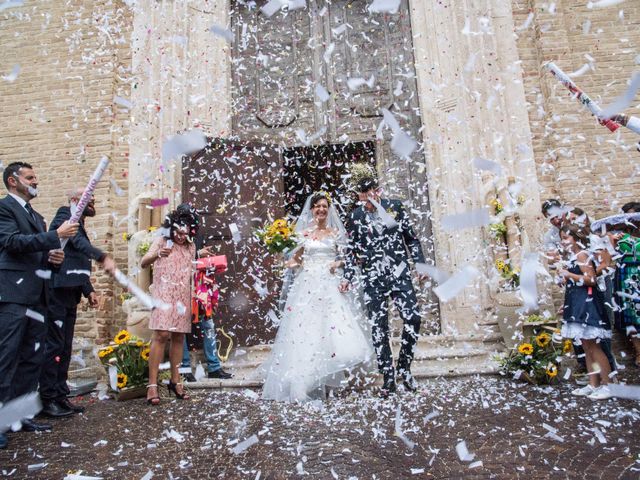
x=625, y=100
x=183, y=144
x=172, y=434
x=123, y=102
x=222, y=32
x=15, y=71
x=10, y=4
x=603, y=3
x=355, y=83
x=271, y=7
x=245, y=444
x=488, y=165
x=463, y=453
x=473, y=218
x=321, y=93
x=438, y=275
x=46, y=274
x=527, y=23
x=235, y=232
x=456, y=284
x=581, y=71
x=25, y=406
x=34, y=315
x=528, y=286
x=384, y=6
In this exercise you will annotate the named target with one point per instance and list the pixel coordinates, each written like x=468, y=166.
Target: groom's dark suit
x=24, y=243
x=383, y=253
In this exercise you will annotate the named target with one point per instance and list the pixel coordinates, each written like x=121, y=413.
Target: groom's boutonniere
x=392, y=212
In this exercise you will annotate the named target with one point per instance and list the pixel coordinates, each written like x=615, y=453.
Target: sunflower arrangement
x=512, y=275
x=129, y=355
x=536, y=360
x=498, y=208
x=278, y=237
x=498, y=230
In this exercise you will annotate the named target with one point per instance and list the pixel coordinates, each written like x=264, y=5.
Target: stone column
x=472, y=104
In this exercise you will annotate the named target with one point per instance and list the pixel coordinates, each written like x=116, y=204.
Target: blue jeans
x=210, y=345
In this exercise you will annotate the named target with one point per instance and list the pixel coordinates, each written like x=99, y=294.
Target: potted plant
x=126, y=358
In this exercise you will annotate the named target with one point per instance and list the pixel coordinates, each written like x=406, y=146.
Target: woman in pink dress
x=172, y=259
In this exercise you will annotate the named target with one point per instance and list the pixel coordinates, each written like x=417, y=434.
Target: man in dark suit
x=381, y=241
x=27, y=254
x=67, y=286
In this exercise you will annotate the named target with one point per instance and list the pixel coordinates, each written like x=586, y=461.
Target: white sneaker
x=600, y=393
x=584, y=391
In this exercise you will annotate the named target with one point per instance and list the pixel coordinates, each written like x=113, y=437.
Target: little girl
x=584, y=316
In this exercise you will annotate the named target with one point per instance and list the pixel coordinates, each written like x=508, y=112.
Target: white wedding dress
x=322, y=333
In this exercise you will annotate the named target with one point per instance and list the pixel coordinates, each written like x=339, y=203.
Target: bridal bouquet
x=278, y=237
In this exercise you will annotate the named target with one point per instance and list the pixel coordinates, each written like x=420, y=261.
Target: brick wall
x=580, y=161
x=59, y=115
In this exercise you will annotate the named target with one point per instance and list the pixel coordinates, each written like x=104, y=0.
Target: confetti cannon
x=582, y=97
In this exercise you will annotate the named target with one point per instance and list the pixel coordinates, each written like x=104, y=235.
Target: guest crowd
x=598, y=268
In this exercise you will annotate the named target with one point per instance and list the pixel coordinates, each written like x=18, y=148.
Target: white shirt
x=21, y=201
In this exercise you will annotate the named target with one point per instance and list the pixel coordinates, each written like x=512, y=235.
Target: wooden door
x=239, y=183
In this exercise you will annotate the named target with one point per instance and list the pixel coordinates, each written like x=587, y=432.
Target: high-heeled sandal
x=180, y=396
x=153, y=400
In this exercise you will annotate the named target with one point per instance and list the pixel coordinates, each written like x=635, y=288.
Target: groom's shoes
x=388, y=386
x=408, y=381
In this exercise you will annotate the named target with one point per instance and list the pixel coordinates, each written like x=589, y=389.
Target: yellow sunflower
x=106, y=351
x=526, y=349
x=567, y=346
x=122, y=380
x=500, y=265
x=139, y=343
x=551, y=370
x=145, y=353
x=543, y=339
x=122, y=337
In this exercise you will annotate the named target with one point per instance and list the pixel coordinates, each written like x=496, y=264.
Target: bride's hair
x=317, y=196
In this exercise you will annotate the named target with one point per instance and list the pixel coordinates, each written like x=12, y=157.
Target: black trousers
x=377, y=305
x=22, y=346
x=61, y=321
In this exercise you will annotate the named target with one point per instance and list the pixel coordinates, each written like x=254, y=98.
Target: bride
x=322, y=331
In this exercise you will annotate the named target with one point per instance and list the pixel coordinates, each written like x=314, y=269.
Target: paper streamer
x=582, y=97
x=113, y=377
x=25, y=406
x=473, y=218
x=458, y=282
x=86, y=195
x=387, y=219
x=625, y=100
x=245, y=444
x=146, y=299
x=528, y=286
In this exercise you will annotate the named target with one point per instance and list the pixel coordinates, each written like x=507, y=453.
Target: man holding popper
x=67, y=287
x=28, y=253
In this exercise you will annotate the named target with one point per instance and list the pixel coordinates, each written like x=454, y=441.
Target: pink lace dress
x=172, y=285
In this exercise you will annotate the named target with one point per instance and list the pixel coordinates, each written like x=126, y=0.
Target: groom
x=381, y=242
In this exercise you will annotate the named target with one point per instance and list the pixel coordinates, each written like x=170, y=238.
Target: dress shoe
x=55, y=410
x=66, y=403
x=409, y=382
x=29, y=425
x=4, y=441
x=189, y=377
x=388, y=386
x=220, y=373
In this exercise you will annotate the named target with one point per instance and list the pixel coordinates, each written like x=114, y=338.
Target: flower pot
x=129, y=393
x=507, y=304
